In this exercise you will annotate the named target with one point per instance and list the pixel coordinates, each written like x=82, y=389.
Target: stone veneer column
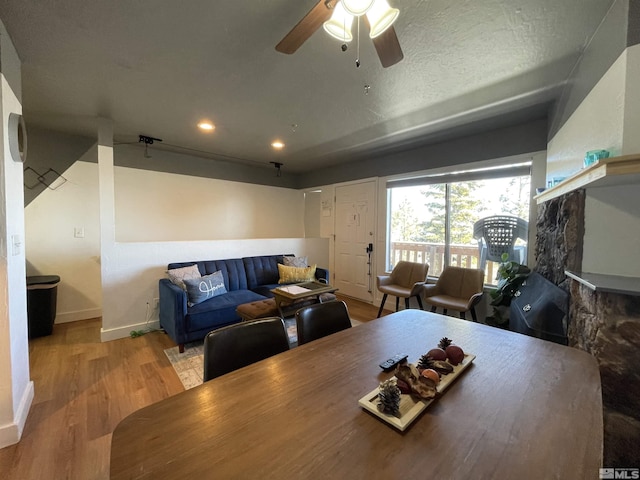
x=559, y=236
x=606, y=325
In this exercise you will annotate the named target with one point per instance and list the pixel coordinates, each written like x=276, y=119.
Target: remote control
x=391, y=363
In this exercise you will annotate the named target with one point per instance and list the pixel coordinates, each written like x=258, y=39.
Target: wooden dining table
x=525, y=408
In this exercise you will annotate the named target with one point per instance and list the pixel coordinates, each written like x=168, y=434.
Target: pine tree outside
x=419, y=215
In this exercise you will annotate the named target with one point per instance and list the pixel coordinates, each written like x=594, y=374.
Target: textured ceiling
x=156, y=67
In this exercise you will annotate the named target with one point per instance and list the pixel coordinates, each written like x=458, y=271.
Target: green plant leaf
x=511, y=275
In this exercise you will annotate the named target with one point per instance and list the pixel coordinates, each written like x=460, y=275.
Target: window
x=431, y=219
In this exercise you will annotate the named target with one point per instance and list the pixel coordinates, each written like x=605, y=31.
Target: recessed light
x=206, y=126
x=278, y=145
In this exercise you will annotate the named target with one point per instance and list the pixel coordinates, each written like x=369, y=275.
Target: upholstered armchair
x=458, y=289
x=406, y=280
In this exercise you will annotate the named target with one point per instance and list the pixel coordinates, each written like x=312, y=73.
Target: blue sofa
x=247, y=279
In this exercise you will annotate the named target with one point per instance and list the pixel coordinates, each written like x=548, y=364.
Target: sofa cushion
x=203, y=288
x=218, y=311
x=295, y=274
x=179, y=275
x=262, y=270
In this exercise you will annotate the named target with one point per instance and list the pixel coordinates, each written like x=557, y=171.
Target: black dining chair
x=321, y=319
x=236, y=346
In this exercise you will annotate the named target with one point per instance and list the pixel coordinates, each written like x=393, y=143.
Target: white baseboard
x=10, y=434
x=74, y=316
x=123, y=332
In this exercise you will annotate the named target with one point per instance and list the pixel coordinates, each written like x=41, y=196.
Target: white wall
x=16, y=388
x=609, y=117
x=155, y=206
x=596, y=124
x=612, y=231
x=631, y=136
x=52, y=247
x=312, y=213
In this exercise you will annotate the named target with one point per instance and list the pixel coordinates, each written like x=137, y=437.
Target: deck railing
x=433, y=253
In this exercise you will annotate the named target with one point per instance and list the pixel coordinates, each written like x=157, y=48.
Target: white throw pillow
x=299, y=262
x=179, y=275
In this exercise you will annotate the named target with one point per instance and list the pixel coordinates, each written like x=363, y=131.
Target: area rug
x=190, y=365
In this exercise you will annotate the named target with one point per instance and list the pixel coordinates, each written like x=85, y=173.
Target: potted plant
x=511, y=275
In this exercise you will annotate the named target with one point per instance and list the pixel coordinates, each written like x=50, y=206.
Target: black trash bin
x=42, y=291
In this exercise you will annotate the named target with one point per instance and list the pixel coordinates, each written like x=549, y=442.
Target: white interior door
x=354, y=229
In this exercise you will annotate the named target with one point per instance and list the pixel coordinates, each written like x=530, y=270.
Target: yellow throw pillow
x=296, y=274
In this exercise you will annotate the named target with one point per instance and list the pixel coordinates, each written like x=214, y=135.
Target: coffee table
x=288, y=294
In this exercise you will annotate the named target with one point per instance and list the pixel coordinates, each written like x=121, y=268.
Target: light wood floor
x=84, y=388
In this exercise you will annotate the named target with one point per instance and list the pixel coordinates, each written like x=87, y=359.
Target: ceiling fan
x=386, y=43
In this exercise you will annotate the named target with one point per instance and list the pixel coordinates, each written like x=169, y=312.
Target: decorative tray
x=410, y=406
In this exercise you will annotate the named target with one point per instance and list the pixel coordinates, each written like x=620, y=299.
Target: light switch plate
x=78, y=232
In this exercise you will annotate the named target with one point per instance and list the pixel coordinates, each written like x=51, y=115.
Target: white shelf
x=607, y=283
x=624, y=170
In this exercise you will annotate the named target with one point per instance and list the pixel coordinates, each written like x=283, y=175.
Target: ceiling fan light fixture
x=339, y=25
x=381, y=16
x=357, y=7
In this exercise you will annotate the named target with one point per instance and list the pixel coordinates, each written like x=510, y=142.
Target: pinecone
x=389, y=398
x=425, y=362
x=440, y=366
x=444, y=343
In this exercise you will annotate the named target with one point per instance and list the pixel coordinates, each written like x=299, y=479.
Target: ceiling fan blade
x=306, y=27
x=388, y=48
